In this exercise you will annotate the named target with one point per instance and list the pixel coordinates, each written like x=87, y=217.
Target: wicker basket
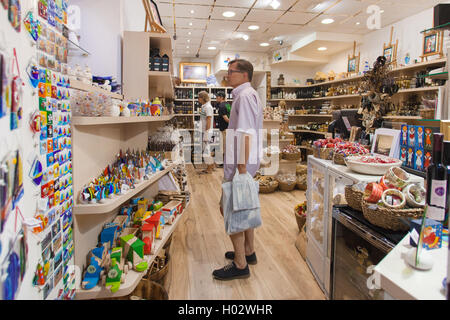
x=339, y=159
x=159, y=276
x=427, y=113
x=300, y=221
x=268, y=189
x=326, y=153
x=354, y=197
x=284, y=186
x=389, y=218
x=292, y=156
x=301, y=183
x=301, y=169
x=316, y=152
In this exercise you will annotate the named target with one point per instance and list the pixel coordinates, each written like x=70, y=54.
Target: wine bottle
x=436, y=182
x=446, y=161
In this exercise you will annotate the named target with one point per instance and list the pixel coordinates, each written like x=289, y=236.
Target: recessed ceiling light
x=327, y=21
x=322, y=48
x=382, y=11
x=253, y=27
x=245, y=37
x=264, y=44
x=190, y=23
x=358, y=23
x=189, y=33
x=275, y=4
x=211, y=48
x=192, y=11
x=187, y=47
x=188, y=40
x=229, y=14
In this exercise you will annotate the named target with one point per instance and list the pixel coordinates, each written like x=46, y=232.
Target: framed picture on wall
x=155, y=12
x=196, y=72
x=432, y=43
x=352, y=62
x=388, y=54
x=386, y=142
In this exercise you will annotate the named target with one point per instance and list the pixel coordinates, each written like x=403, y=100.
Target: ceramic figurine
x=420, y=136
x=404, y=136
x=133, y=251
x=427, y=159
x=428, y=139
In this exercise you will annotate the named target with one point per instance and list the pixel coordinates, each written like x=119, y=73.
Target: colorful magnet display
x=32, y=25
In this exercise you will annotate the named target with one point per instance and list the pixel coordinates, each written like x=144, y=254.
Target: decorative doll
x=410, y=158
x=404, y=135
x=403, y=155
x=412, y=135
x=419, y=160
x=428, y=138
x=419, y=139
x=427, y=159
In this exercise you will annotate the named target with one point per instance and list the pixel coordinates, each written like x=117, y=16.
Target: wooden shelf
x=160, y=84
x=111, y=204
x=312, y=115
x=89, y=121
x=403, y=117
x=183, y=114
x=436, y=88
x=78, y=85
x=309, y=131
x=304, y=147
x=133, y=277
x=421, y=65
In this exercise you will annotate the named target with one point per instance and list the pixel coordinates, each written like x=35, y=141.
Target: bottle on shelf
x=437, y=182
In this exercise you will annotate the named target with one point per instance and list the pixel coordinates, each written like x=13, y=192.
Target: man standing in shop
x=206, y=119
x=223, y=119
x=246, y=120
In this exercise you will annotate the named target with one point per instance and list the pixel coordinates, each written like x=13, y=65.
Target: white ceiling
x=292, y=20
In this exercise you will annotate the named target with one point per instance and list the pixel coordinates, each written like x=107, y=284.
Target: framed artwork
x=152, y=17
x=194, y=72
x=353, y=61
x=432, y=43
x=386, y=142
x=390, y=50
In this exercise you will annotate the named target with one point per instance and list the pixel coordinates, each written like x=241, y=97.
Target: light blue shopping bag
x=240, y=204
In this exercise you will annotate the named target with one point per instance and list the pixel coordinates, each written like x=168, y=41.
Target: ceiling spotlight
x=275, y=4
x=188, y=40
x=264, y=44
x=253, y=27
x=382, y=11
x=192, y=11
x=322, y=48
x=228, y=14
x=245, y=37
x=211, y=48
x=358, y=23
x=190, y=23
x=189, y=33
x=327, y=21
x=187, y=47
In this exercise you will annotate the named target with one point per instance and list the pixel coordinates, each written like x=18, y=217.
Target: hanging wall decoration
x=433, y=42
x=14, y=16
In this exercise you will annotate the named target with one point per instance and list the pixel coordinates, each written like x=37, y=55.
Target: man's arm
x=225, y=117
x=245, y=153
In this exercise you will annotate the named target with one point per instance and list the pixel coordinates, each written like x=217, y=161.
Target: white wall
x=101, y=35
x=291, y=73
x=407, y=31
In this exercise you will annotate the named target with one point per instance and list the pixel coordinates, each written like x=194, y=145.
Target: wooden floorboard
x=200, y=241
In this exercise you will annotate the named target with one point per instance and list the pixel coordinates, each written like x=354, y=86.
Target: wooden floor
x=200, y=241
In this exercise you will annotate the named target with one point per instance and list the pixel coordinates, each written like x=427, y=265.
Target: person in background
x=246, y=120
x=206, y=119
x=223, y=119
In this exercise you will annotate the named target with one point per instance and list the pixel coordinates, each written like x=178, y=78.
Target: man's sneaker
x=231, y=272
x=251, y=259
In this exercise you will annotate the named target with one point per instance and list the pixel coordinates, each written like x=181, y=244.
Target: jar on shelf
x=280, y=80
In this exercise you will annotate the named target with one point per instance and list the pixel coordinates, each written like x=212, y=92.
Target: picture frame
x=194, y=72
x=353, y=61
x=432, y=44
x=152, y=17
x=386, y=142
x=390, y=50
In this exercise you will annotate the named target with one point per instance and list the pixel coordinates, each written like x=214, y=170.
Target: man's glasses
x=231, y=71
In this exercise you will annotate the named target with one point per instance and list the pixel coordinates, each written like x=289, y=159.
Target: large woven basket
x=292, y=156
x=302, y=183
x=326, y=153
x=268, y=189
x=316, y=152
x=159, y=276
x=284, y=186
x=301, y=169
x=354, y=198
x=339, y=159
x=389, y=218
x=148, y=290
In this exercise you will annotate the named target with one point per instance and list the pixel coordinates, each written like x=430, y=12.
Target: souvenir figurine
x=420, y=137
x=404, y=136
x=412, y=136
x=403, y=155
x=410, y=162
x=418, y=163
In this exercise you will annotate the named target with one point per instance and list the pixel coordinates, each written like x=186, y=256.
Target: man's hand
x=242, y=168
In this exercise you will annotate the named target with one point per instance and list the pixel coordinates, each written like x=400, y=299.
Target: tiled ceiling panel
x=165, y=9
x=184, y=11
x=296, y=18
x=235, y=3
x=259, y=15
x=218, y=11
x=284, y=4
x=191, y=23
